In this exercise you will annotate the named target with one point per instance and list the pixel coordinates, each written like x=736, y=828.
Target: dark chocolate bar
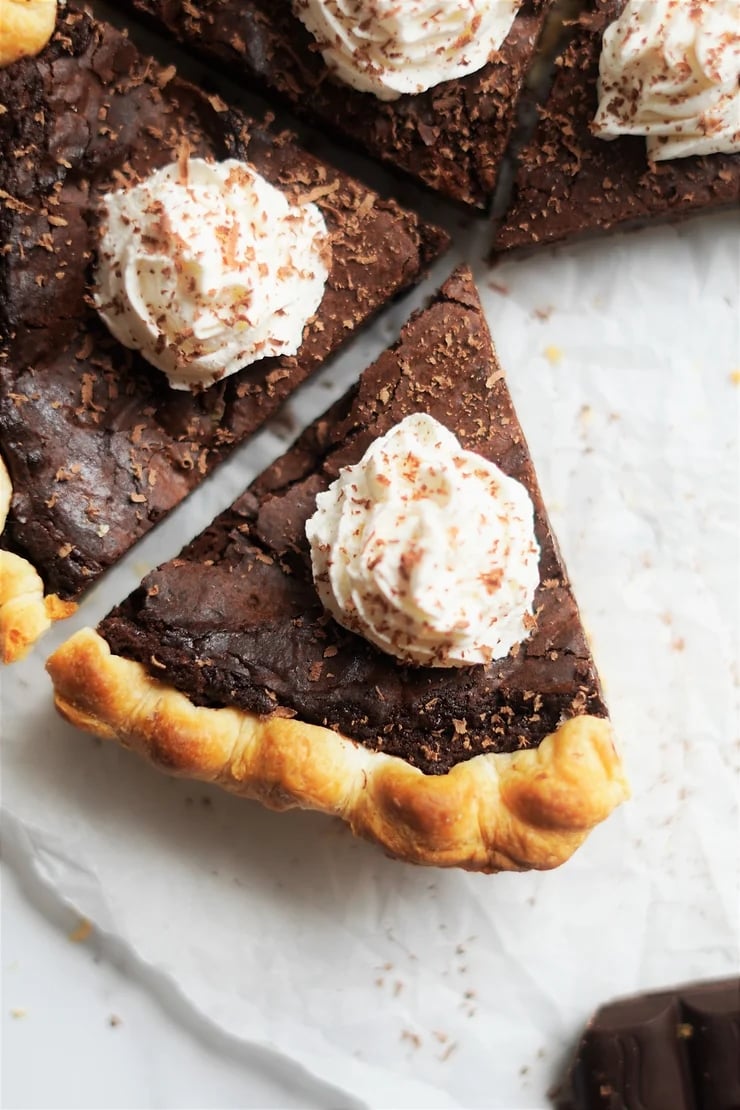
x=676, y=1049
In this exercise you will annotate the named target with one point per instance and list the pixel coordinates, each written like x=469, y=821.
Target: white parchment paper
x=405, y=987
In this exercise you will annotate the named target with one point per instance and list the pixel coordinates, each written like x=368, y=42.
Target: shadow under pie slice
x=571, y=184
x=451, y=137
x=224, y=666
x=98, y=447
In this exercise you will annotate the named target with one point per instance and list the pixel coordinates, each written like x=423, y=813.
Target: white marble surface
x=261, y=959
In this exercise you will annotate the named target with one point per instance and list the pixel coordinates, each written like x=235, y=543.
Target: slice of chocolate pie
x=94, y=440
x=669, y=87
x=225, y=665
x=445, y=125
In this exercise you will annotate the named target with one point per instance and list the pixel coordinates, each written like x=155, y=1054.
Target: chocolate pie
x=224, y=666
x=451, y=137
x=97, y=445
x=572, y=183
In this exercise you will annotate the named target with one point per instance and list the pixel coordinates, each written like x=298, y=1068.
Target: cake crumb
x=499, y=287
x=735, y=377
x=114, y=1021
x=554, y=355
x=81, y=931
x=413, y=1038
x=18, y=1012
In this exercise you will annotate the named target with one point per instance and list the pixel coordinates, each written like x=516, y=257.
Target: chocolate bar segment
x=713, y=1016
x=670, y=1050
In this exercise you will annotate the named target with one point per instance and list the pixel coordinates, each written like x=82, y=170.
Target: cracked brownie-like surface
x=235, y=619
x=571, y=184
x=451, y=138
x=98, y=446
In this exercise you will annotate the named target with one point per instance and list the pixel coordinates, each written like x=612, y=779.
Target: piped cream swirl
x=427, y=550
x=388, y=47
x=205, y=267
x=670, y=70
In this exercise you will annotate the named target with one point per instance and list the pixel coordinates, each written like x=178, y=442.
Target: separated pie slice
x=431, y=89
x=381, y=627
x=657, y=140
x=225, y=246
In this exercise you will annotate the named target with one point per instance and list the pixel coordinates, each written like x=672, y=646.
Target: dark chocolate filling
x=571, y=184
x=235, y=619
x=451, y=137
x=98, y=446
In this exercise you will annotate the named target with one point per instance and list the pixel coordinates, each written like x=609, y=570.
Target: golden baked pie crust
x=25, y=614
x=25, y=28
x=527, y=809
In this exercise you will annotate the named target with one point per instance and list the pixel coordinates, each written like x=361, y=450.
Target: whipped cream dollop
x=205, y=267
x=670, y=70
x=390, y=47
x=427, y=550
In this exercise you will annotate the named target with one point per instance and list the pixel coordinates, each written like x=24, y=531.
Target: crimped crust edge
x=25, y=614
x=515, y=811
x=25, y=28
